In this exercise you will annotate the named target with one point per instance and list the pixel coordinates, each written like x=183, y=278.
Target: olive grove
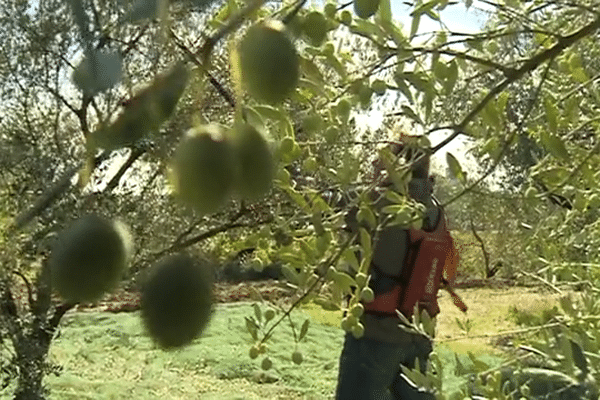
x=209, y=127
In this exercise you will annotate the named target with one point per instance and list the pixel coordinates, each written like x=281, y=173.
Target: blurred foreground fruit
x=269, y=62
x=256, y=167
x=315, y=27
x=365, y=8
x=176, y=301
x=89, y=258
x=143, y=113
x=266, y=363
x=203, y=169
x=297, y=357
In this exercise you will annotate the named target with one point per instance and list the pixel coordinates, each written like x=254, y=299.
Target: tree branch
x=59, y=312
x=507, y=71
x=59, y=97
x=232, y=223
x=51, y=195
x=288, y=18
x=136, y=153
x=216, y=84
x=486, y=256
x=527, y=67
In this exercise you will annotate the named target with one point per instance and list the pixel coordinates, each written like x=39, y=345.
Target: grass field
x=107, y=356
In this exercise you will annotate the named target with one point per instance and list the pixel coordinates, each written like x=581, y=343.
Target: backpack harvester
x=431, y=262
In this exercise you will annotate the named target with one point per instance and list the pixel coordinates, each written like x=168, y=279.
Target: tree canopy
x=127, y=109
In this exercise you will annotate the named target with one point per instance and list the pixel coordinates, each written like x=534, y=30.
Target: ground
x=107, y=354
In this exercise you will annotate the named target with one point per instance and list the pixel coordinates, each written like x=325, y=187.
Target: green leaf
x=326, y=304
x=579, y=75
x=579, y=358
x=366, y=214
x=299, y=199
x=317, y=222
x=554, y=145
x=409, y=112
x=311, y=69
x=338, y=66
x=414, y=26
x=503, y=101
x=566, y=352
x=490, y=146
x=490, y=114
x=252, y=328
x=365, y=241
x=403, y=87
x=419, y=80
x=316, y=88
x=257, y=312
x=567, y=305
x=395, y=197
x=551, y=113
x=350, y=257
x=304, y=329
x=393, y=209
x=425, y=7
x=428, y=323
x=143, y=113
x=460, y=368
x=452, y=76
x=455, y=168
x=429, y=97
x=308, y=249
x=366, y=28
x=385, y=12
x=290, y=274
x=433, y=15
x=440, y=71
x=479, y=365
x=344, y=281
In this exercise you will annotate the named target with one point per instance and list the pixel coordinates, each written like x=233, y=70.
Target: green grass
x=107, y=356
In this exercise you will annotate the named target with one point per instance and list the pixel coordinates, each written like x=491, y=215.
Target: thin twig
x=213, y=81
x=539, y=278
x=59, y=312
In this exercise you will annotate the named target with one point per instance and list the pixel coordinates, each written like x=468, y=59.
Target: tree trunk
x=31, y=363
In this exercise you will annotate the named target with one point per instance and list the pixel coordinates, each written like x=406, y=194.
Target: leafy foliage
x=523, y=89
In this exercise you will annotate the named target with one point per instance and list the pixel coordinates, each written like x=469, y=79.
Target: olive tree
x=161, y=113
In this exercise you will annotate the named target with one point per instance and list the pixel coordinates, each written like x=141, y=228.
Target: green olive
x=269, y=62
x=256, y=166
x=203, y=169
x=176, y=301
x=89, y=258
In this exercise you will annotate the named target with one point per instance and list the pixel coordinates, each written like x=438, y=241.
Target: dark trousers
x=370, y=370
